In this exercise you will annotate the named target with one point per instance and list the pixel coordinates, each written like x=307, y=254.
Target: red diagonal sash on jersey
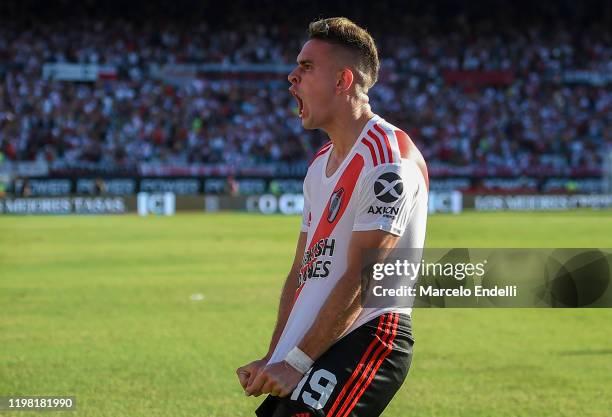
x=324, y=229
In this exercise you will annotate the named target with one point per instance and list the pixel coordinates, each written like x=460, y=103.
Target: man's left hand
x=278, y=379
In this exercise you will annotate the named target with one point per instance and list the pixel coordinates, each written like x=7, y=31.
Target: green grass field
x=100, y=308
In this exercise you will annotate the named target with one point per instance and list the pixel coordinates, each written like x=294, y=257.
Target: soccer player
x=365, y=189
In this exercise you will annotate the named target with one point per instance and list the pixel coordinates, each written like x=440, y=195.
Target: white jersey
x=382, y=184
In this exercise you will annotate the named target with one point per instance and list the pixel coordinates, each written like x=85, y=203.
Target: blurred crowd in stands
x=532, y=119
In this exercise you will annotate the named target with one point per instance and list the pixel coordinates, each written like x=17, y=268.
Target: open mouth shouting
x=300, y=103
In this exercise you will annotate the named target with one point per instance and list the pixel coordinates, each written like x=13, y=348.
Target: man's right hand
x=248, y=373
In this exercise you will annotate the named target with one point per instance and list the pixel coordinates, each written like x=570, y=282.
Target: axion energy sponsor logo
x=388, y=187
x=383, y=210
x=312, y=265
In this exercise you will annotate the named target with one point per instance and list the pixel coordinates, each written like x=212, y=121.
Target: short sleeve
x=306, y=216
x=385, y=199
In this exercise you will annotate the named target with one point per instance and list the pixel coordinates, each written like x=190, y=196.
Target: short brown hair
x=343, y=32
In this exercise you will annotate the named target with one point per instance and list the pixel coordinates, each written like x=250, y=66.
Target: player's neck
x=345, y=129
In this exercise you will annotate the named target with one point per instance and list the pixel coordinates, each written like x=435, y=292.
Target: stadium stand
x=478, y=98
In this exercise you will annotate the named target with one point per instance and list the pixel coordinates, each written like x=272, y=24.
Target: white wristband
x=299, y=360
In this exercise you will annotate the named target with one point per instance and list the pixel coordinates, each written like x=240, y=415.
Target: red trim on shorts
x=385, y=350
x=370, y=365
x=383, y=322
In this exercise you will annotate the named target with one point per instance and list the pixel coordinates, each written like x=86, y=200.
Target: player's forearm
x=338, y=313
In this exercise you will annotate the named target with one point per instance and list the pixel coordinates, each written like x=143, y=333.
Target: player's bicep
x=380, y=241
